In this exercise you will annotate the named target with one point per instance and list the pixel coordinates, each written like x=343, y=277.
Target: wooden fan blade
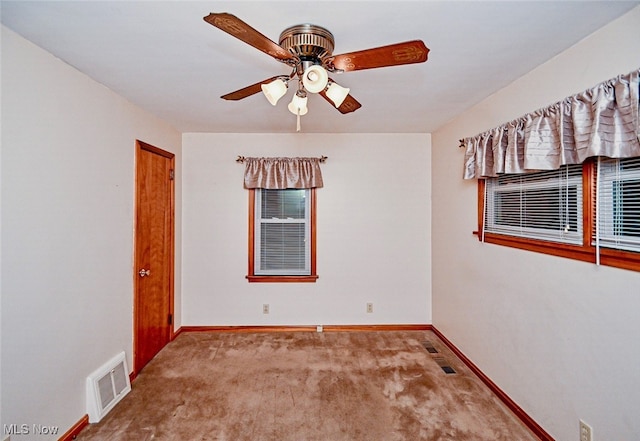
x=350, y=104
x=247, y=91
x=397, y=54
x=232, y=25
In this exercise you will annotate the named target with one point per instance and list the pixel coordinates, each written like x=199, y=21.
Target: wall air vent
x=106, y=387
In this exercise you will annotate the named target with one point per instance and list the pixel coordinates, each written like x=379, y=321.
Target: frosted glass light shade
x=315, y=79
x=274, y=90
x=298, y=105
x=337, y=93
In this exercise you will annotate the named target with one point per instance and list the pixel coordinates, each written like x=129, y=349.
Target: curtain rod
x=240, y=159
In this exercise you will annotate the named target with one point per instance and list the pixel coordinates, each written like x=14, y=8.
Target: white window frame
x=611, y=215
x=536, y=184
x=259, y=221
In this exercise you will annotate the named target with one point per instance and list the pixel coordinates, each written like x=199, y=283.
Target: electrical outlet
x=586, y=432
x=319, y=328
x=265, y=308
x=369, y=308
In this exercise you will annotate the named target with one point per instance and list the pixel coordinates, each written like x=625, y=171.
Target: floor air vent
x=444, y=365
x=429, y=347
x=106, y=387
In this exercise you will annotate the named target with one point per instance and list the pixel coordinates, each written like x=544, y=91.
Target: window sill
x=282, y=279
x=614, y=258
x=552, y=248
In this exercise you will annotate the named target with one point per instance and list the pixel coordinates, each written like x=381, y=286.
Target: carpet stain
x=349, y=386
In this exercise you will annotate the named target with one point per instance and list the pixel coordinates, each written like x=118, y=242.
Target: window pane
x=283, y=204
x=618, y=225
x=626, y=208
x=282, y=246
x=548, y=209
x=544, y=205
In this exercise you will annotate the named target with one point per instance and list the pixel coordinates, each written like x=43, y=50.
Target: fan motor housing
x=308, y=42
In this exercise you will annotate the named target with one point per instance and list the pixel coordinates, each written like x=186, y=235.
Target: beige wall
x=559, y=336
x=68, y=147
x=373, y=231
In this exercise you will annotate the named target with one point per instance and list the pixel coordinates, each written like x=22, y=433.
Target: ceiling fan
x=308, y=50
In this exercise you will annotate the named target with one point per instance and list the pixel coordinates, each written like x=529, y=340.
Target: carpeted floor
x=304, y=386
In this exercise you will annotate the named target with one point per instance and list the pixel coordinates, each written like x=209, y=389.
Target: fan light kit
x=308, y=50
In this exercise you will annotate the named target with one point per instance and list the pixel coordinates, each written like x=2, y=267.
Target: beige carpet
x=334, y=386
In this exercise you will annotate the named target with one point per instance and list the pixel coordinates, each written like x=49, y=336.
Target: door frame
x=143, y=146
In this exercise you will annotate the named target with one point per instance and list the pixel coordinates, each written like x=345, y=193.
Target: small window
x=282, y=238
x=282, y=235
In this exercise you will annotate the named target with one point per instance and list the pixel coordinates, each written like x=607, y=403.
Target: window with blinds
x=282, y=233
x=618, y=198
x=543, y=205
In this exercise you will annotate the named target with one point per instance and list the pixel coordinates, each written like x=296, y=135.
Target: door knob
x=143, y=272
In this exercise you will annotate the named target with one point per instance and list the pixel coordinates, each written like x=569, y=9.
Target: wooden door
x=154, y=253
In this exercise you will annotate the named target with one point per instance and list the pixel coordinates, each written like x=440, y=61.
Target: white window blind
x=282, y=236
x=618, y=223
x=542, y=205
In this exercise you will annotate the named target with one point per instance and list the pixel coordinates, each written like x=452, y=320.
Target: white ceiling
x=165, y=58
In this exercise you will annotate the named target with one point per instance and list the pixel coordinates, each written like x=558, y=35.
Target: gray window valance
x=282, y=173
x=601, y=121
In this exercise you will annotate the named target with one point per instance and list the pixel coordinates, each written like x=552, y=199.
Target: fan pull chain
x=298, y=121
